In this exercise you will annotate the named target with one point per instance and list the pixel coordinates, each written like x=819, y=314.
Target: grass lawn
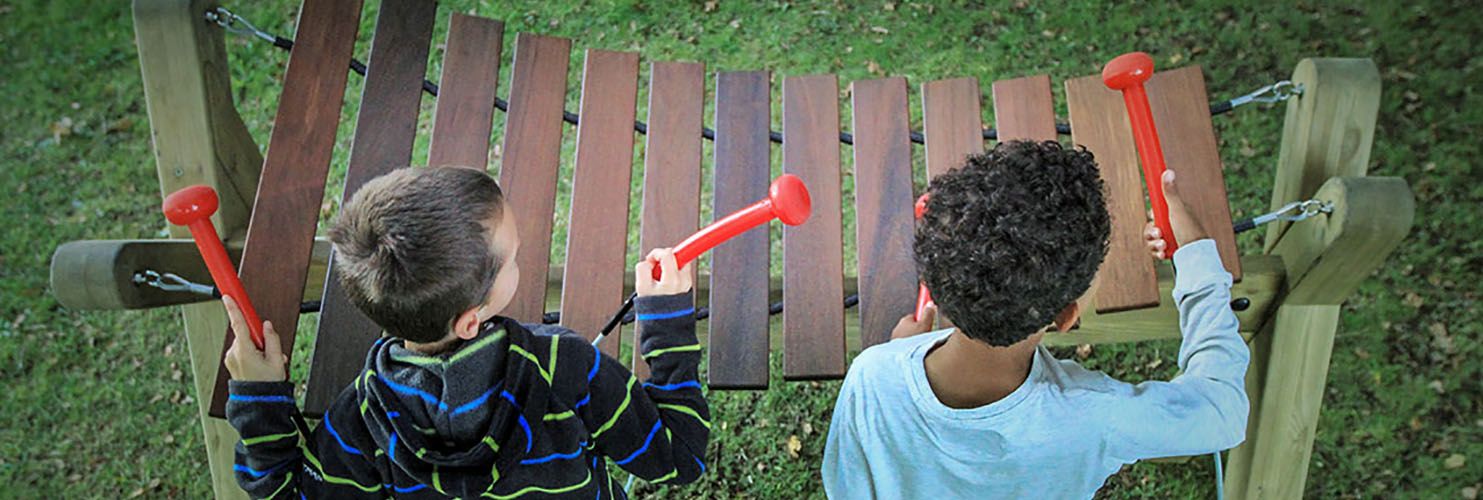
x=100, y=403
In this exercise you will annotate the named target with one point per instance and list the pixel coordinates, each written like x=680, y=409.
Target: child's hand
x=909, y=326
x=672, y=280
x=243, y=360
x=1186, y=228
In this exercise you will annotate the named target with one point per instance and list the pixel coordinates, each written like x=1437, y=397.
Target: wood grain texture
x=884, y=222
x=953, y=114
x=738, y=299
x=1181, y=110
x=1328, y=130
x=384, y=132
x=465, y=111
x=813, y=252
x=280, y=235
x=672, y=153
x=198, y=138
x=1326, y=142
x=532, y=155
x=1099, y=122
x=597, y=234
x=1023, y=109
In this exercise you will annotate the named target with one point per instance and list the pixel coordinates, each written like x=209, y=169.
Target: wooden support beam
x=1328, y=130
x=1330, y=255
x=1328, y=133
x=198, y=139
x=92, y=275
x=1263, y=284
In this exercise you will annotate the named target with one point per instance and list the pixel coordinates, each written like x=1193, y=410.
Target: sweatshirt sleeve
x=658, y=429
x=278, y=457
x=1204, y=409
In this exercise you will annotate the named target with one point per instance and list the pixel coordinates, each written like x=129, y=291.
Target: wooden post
x=198, y=139
x=1328, y=133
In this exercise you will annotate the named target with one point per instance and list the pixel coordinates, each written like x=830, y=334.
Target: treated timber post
x=1326, y=143
x=198, y=139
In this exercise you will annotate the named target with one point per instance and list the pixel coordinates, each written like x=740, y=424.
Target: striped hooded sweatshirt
x=519, y=411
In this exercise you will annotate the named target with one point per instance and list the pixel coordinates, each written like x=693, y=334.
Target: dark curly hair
x=1012, y=237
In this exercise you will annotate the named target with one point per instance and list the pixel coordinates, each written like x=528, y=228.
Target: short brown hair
x=412, y=248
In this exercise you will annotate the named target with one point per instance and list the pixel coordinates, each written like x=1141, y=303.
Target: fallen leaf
x=808, y=429
x=874, y=68
x=1456, y=461
x=74, y=478
x=120, y=125
x=889, y=6
x=735, y=23
x=1361, y=353
x=1176, y=58
x=879, y=29
x=710, y=6
x=1436, y=385
x=61, y=128
x=1414, y=300
x=1083, y=351
x=1157, y=362
x=1470, y=493
x=794, y=446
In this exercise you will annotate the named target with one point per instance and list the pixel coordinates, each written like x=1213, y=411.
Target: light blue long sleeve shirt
x=1062, y=433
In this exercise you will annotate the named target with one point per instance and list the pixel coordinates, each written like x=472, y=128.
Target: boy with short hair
x=459, y=401
x=1008, y=243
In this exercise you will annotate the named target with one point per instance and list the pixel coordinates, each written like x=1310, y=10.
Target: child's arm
x=271, y=457
x=1205, y=408
x=657, y=429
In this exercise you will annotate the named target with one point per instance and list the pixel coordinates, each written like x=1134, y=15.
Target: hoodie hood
x=468, y=408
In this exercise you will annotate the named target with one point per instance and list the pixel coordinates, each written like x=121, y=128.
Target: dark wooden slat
x=738, y=301
x=280, y=235
x=1181, y=111
x=1023, y=109
x=953, y=116
x=671, y=207
x=1099, y=121
x=883, y=207
x=597, y=234
x=532, y=151
x=384, y=132
x=465, y=113
x=813, y=253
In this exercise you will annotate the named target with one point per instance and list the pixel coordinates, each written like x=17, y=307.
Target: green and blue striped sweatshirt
x=519, y=411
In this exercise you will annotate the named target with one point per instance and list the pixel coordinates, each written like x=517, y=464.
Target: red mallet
x=192, y=207
x=924, y=297
x=1127, y=73
x=787, y=200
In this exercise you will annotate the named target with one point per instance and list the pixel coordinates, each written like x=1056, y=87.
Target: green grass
x=99, y=403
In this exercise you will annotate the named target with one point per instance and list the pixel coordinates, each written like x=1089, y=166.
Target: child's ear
x=466, y=326
x=1068, y=317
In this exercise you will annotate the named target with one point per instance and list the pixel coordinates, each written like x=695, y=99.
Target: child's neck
x=432, y=348
x=966, y=373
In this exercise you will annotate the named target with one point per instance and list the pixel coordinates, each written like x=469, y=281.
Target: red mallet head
x=1127, y=70
x=787, y=200
x=790, y=201
x=189, y=205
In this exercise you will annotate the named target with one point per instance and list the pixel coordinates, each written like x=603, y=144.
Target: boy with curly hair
x=1008, y=242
